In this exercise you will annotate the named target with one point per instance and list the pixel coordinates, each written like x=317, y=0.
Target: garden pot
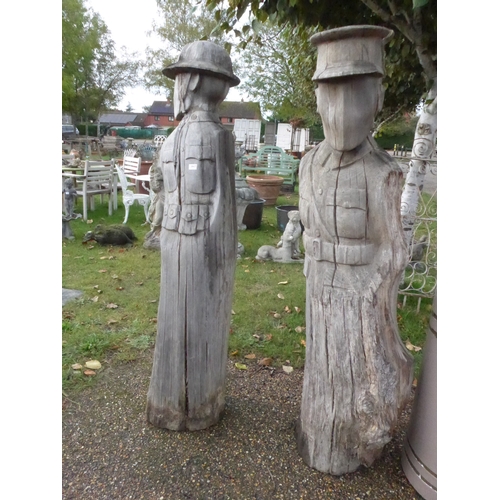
x=282, y=216
x=253, y=214
x=268, y=186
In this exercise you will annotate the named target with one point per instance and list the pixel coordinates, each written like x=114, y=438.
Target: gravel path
x=111, y=452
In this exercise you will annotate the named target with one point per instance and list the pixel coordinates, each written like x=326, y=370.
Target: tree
x=93, y=77
x=276, y=70
x=180, y=22
x=411, y=58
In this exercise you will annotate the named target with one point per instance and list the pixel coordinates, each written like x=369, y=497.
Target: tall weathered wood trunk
x=358, y=373
x=198, y=247
x=423, y=148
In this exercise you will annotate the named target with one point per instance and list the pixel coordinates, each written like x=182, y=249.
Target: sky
x=128, y=21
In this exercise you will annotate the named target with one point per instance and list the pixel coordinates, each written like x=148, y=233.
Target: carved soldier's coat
x=198, y=252
x=349, y=205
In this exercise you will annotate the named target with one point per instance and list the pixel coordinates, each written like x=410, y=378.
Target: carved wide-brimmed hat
x=203, y=57
x=351, y=50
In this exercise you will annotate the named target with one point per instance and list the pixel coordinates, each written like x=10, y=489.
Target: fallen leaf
x=153, y=320
x=111, y=306
x=140, y=283
x=93, y=364
x=255, y=336
x=283, y=283
x=103, y=271
x=89, y=372
x=153, y=301
x=78, y=257
x=119, y=288
x=102, y=258
x=232, y=312
x=247, y=270
x=89, y=221
x=112, y=321
x=250, y=356
x=297, y=309
x=414, y=384
x=277, y=315
x=303, y=342
x=241, y=366
x=90, y=247
x=77, y=366
x=95, y=299
x=66, y=255
x=299, y=329
x=114, y=276
x=234, y=353
x=268, y=336
x=287, y=309
x=96, y=286
x=412, y=347
x=281, y=296
x=265, y=361
x=272, y=271
x=287, y=369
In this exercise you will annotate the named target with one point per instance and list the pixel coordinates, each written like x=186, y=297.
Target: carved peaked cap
x=351, y=50
x=203, y=57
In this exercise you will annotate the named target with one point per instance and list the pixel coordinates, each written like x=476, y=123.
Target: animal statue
x=287, y=250
x=292, y=232
x=115, y=234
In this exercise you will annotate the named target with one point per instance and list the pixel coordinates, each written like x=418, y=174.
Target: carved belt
x=352, y=255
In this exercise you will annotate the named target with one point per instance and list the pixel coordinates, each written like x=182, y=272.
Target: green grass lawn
x=115, y=319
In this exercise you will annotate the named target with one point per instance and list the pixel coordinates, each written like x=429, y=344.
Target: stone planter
x=268, y=186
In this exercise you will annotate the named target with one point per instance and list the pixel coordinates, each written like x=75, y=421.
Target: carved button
x=320, y=191
x=188, y=215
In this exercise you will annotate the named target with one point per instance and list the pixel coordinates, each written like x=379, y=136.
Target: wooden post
x=358, y=373
x=198, y=242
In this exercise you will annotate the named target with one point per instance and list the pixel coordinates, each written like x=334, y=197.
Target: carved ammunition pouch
x=186, y=219
x=199, y=169
x=351, y=255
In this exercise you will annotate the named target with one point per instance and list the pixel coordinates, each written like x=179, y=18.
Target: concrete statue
x=198, y=246
x=358, y=373
x=287, y=250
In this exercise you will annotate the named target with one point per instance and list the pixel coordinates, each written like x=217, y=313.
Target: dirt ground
x=109, y=451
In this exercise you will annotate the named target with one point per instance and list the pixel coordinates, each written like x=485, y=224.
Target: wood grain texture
x=198, y=254
x=358, y=374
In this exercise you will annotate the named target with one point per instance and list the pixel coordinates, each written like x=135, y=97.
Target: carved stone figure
x=287, y=250
x=198, y=246
x=358, y=373
x=70, y=195
x=292, y=232
x=156, y=208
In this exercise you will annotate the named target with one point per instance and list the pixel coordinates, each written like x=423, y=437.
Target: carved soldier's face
x=347, y=107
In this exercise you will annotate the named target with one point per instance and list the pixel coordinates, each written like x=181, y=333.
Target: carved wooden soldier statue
x=198, y=246
x=358, y=374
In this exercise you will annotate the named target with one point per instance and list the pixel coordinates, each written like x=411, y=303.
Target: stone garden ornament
x=357, y=374
x=287, y=251
x=198, y=242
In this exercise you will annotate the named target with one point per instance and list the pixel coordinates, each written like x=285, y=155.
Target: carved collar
x=327, y=156
x=201, y=116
